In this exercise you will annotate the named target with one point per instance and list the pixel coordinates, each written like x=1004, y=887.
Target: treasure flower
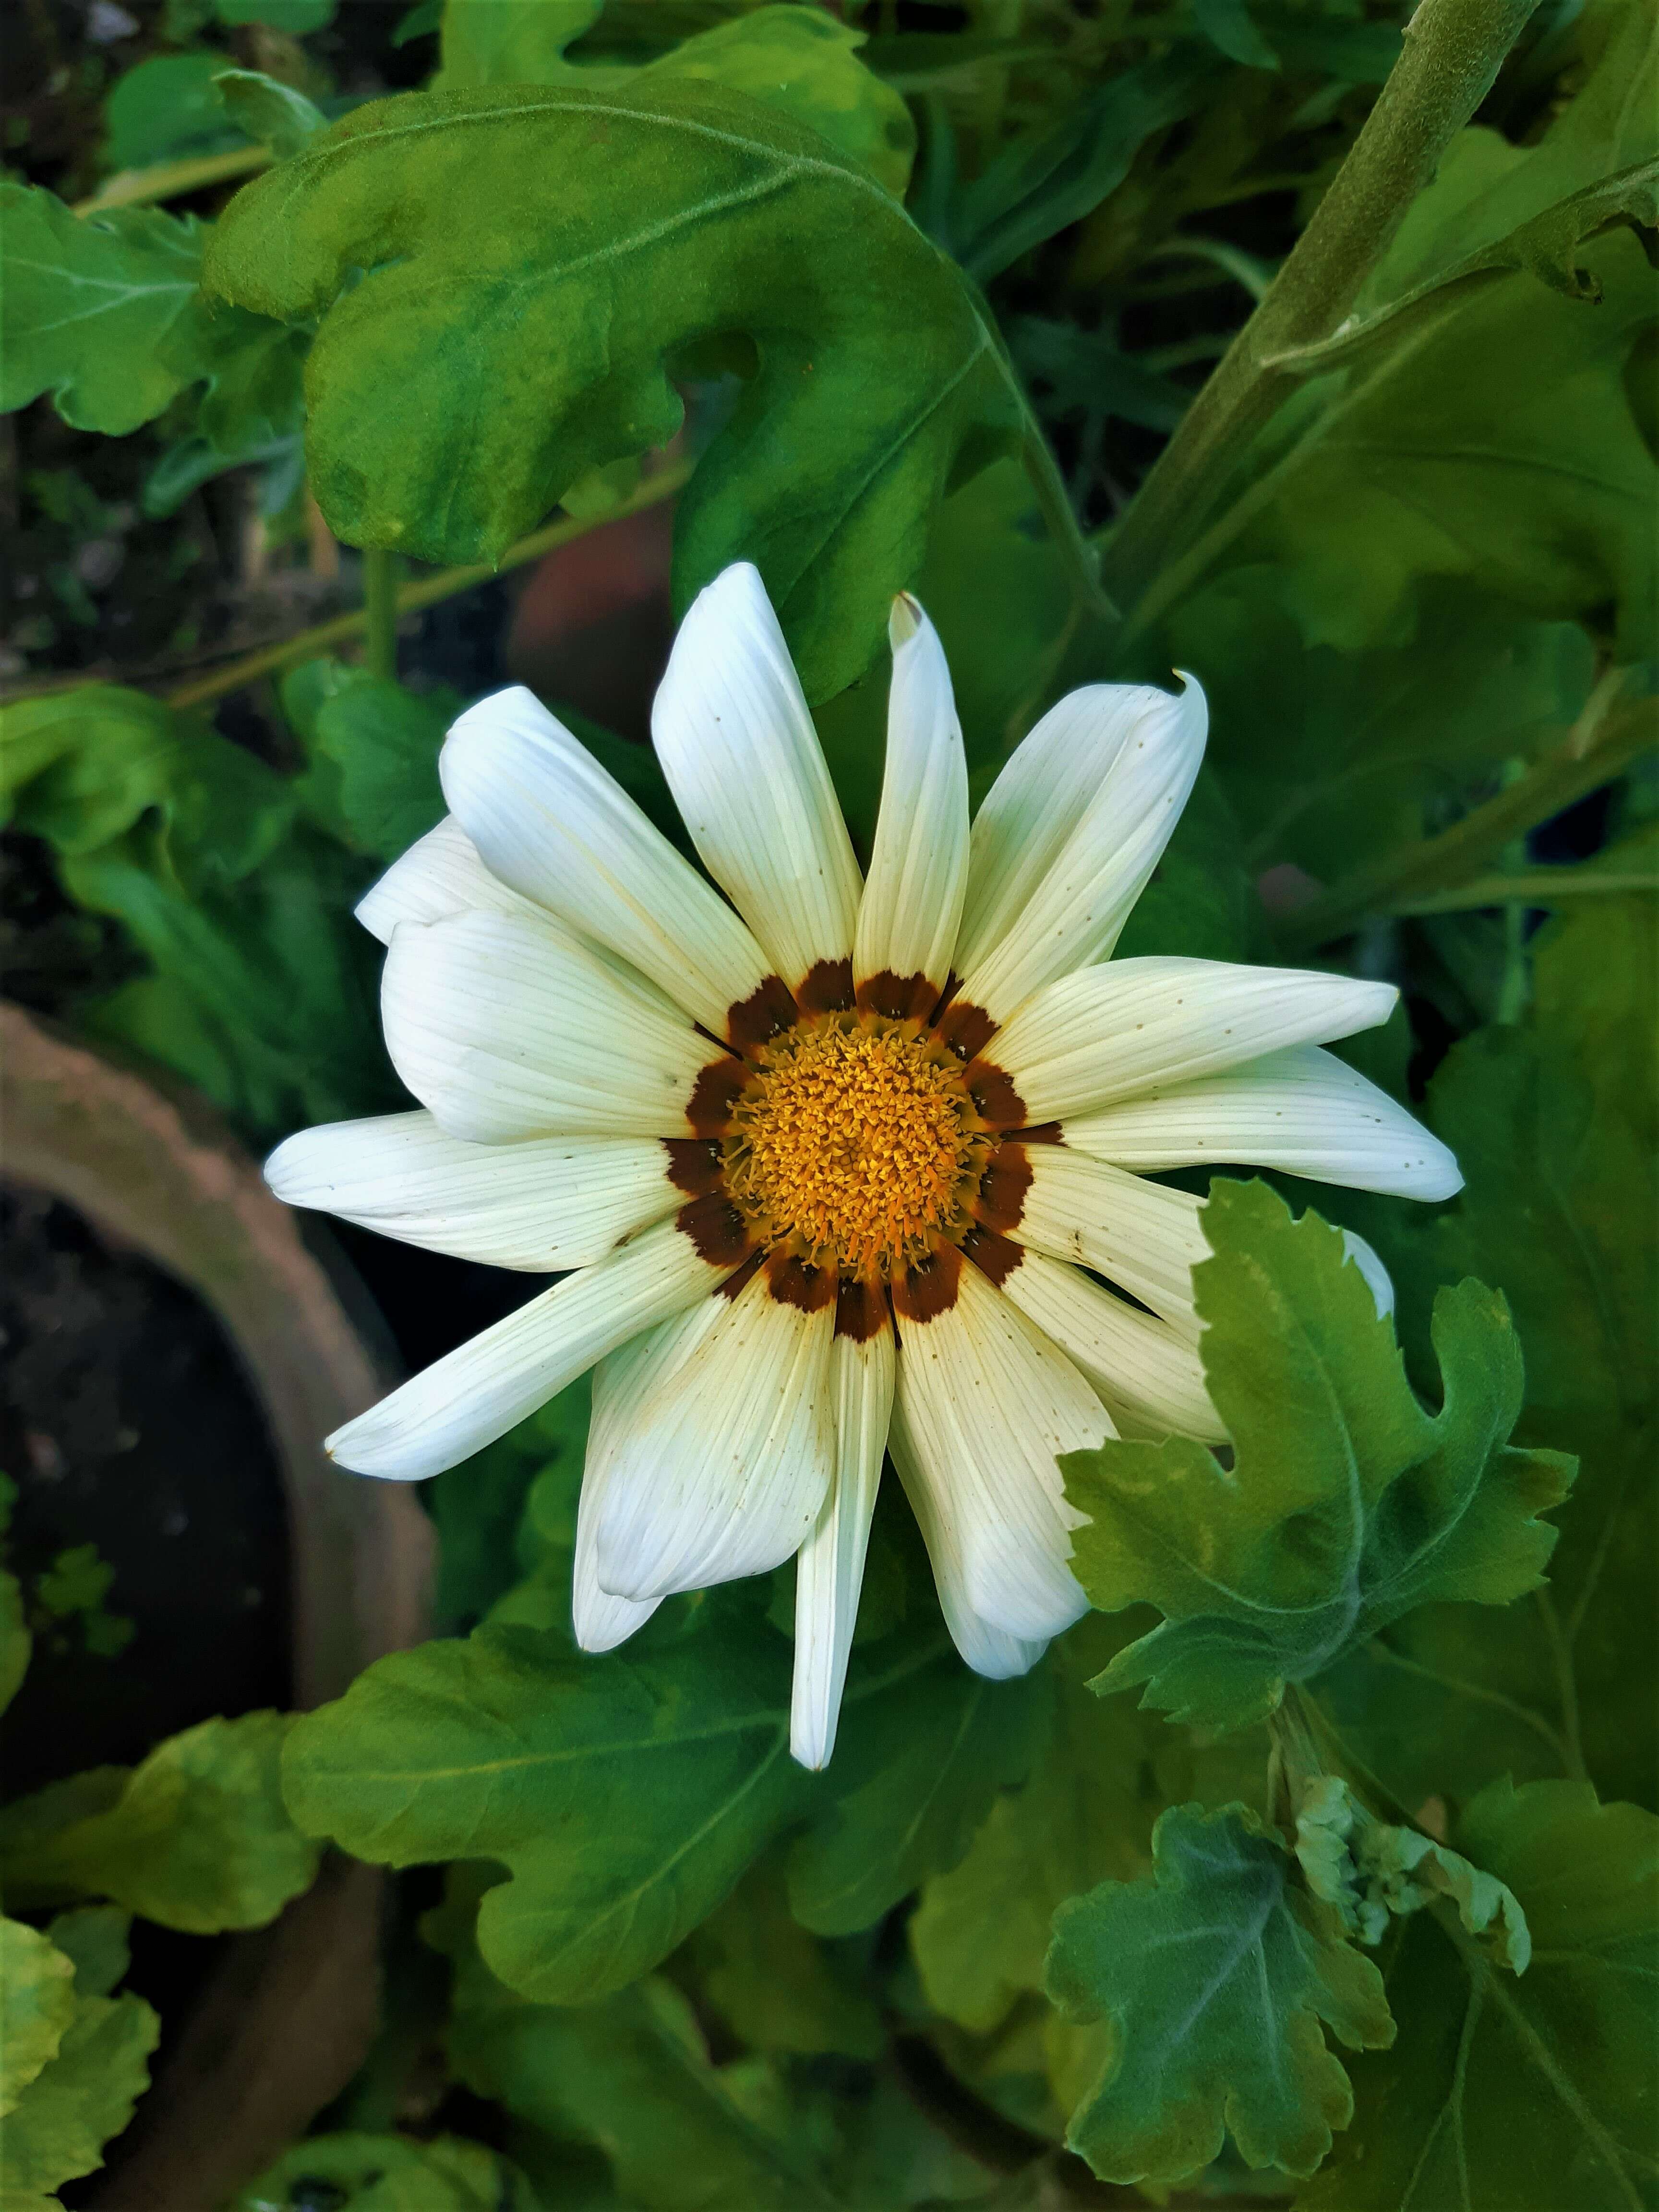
x=845, y=1167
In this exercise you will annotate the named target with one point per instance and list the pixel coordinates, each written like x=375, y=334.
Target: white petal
x=989, y=1650
x=829, y=1569
x=489, y=1384
x=602, y=1621
x=1037, y=802
x=724, y=1450
x=1079, y=907
x=506, y=1026
x=1369, y=1264
x=911, y=904
x=544, y=1204
x=1143, y=1236
x=441, y=874
x=743, y=763
x=988, y=1401
x=1300, y=1110
x=1088, y=1040
x=550, y=821
x=1134, y=1360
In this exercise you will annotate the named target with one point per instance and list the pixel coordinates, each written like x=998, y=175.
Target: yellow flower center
x=855, y=1142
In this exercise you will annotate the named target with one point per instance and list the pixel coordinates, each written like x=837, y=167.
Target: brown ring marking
x=734, y=1285
x=716, y=1228
x=793, y=1281
x=1043, y=1133
x=900, y=998
x=768, y=1011
x=694, y=1164
x=826, y=988
x=995, y=1099
x=994, y=1256
x=860, y=1307
x=1000, y=1199
x=924, y=1291
x=965, y=1027
x=714, y=1093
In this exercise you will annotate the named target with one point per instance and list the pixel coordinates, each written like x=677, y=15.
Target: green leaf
x=353, y=2172
x=631, y=2074
x=1347, y=1505
x=94, y=1938
x=166, y=107
x=1056, y=174
x=1500, y=2092
x=274, y=114
x=88, y=302
x=383, y=743
x=510, y=1511
x=37, y=2004
x=197, y=1840
x=1214, y=1977
x=16, y=1642
x=980, y=1933
x=1227, y=25
x=643, y=220
x=1557, y=1129
x=798, y=59
x=296, y=17
x=1371, y=1872
x=775, y=1985
x=78, y=1581
x=915, y=1776
x=78, y=2100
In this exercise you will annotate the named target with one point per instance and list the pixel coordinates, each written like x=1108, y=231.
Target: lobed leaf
x=37, y=2004
x=1503, y=2092
x=1346, y=1505
x=535, y=256
x=1214, y=1976
x=80, y=2099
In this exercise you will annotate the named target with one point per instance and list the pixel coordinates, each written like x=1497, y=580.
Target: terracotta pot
x=287, y=2016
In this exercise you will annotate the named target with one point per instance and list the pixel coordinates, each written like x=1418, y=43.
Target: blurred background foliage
x=997, y=341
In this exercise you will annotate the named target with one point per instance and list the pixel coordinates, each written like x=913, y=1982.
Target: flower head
x=843, y=1167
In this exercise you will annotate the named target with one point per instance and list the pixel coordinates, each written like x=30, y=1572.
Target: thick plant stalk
x=1453, y=52
x=380, y=614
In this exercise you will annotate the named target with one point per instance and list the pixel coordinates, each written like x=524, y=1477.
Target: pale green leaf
x=1371, y=1872
x=1502, y=2092
x=357, y=2173
x=536, y=255
x=198, y=1837
x=37, y=2002
x=274, y=114
x=776, y=1987
x=77, y=2101
x=1214, y=1977
x=1347, y=1505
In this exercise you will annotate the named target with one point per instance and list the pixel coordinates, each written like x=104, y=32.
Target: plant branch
x=380, y=612
x=1529, y=887
x=1453, y=51
x=168, y=180
x=342, y=630
x=1605, y=741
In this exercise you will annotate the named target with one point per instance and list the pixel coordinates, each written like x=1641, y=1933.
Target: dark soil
x=125, y=1422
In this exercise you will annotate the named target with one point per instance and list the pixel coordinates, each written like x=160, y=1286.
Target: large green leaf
x=1214, y=1975
x=1503, y=2092
x=1347, y=1505
x=37, y=2002
x=353, y=2172
x=536, y=255
x=197, y=1837
x=78, y=2100
x=799, y=59
x=1557, y=1126
x=627, y=1794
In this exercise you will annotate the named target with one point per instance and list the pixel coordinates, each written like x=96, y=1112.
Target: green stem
x=380, y=613
x=1530, y=887
x=1516, y=987
x=1566, y=1686
x=1606, y=740
x=322, y=637
x=1452, y=51
x=167, y=180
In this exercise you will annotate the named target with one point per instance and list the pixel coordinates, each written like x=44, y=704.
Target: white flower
x=836, y=1168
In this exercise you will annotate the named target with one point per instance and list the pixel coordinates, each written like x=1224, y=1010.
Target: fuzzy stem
x=1453, y=51
x=380, y=613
